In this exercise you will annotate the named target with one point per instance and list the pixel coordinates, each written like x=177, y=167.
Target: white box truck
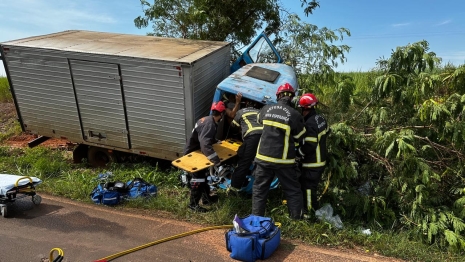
x=113, y=93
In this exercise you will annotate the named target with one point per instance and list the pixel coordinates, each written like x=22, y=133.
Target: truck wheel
x=99, y=157
x=79, y=153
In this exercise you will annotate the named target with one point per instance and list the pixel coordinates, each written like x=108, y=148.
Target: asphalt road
x=87, y=232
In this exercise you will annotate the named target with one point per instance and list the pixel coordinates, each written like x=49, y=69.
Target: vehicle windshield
x=261, y=52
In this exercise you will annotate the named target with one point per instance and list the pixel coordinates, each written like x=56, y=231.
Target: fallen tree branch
x=353, y=117
x=444, y=148
x=384, y=161
x=396, y=128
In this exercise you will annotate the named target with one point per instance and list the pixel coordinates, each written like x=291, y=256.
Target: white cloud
x=445, y=22
x=400, y=24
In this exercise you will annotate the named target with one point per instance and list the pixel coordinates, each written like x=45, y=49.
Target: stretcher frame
x=196, y=161
x=10, y=193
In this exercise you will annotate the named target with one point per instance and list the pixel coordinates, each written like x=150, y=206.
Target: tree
x=231, y=20
x=401, y=159
x=311, y=51
x=226, y=20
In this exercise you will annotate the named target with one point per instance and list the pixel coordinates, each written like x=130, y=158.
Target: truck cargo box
x=138, y=94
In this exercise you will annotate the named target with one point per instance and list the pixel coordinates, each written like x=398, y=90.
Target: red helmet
x=285, y=88
x=308, y=100
x=218, y=106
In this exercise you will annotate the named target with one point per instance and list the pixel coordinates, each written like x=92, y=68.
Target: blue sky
x=377, y=26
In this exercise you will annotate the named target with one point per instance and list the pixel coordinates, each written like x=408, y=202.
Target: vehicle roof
x=257, y=89
x=151, y=47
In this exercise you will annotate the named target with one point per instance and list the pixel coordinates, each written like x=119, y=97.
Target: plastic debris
x=325, y=213
x=366, y=231
x=365, y=189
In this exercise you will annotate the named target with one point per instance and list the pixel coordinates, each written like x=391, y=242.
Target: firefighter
x=203, y=138
x=283, y=126
x=246, y=119
x=312, y=152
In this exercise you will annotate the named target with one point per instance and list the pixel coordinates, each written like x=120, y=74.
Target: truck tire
x=99, y=157
x=79, y=153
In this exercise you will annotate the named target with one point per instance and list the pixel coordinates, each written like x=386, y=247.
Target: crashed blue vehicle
x=256, y=75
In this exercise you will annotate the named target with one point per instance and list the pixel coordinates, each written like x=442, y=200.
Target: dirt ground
x=8, y=116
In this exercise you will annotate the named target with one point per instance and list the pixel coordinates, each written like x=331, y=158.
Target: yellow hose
x=109, y=258
x=58, y=250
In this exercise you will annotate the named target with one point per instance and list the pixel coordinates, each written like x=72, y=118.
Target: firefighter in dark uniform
x=283, y=126
x=203, y=138
x=246, y=119
x=312, y=152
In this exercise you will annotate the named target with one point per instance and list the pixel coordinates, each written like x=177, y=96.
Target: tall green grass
x=5, y=94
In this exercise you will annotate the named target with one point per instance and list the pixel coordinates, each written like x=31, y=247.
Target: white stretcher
x=14, y=187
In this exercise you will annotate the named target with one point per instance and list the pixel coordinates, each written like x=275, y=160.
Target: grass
x=75, y=181
x=8, y=125
x=5, y=94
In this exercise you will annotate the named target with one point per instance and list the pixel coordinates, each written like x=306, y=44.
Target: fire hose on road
x=109, y=258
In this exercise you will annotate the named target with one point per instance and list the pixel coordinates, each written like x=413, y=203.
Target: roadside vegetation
x=8, y=124
x=5, y=94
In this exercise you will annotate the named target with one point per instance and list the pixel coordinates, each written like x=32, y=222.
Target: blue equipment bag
x=258, y=239
x=140, y=188
x=113, y=193
x=97, y=194
x=107, y=196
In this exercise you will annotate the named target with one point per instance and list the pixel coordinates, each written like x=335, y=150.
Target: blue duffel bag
x=256, y=238
x=102, y=194
x=141, y=188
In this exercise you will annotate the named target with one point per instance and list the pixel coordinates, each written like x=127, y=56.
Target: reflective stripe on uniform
x=300, y=152
x=286, y=137
x=235, y=123
x=318, y=154
x=322, y=133
x=309, y=199
x=249, y=125
x=199, y=180
x=275, y=160
x=317, y=164
x=311, y=139
x=300, y=134
x=212, y=156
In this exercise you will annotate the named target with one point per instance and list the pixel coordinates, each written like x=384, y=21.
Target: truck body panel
x=137, y=94
x=258, y=81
